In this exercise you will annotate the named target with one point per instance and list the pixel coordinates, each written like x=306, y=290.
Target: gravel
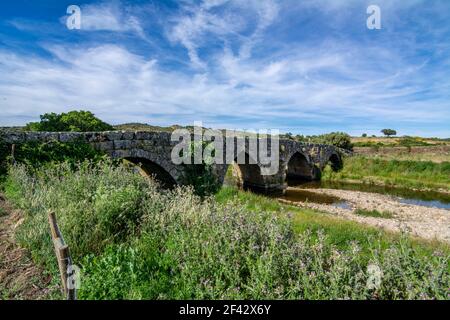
x=424, y=222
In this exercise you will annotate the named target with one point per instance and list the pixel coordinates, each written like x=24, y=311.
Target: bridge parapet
x=154, y=149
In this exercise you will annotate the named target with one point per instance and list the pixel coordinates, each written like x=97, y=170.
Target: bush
x=96, y=205
x=201, y=176
x=411, y=141
x=80, y=121
x=37, y=153
x=337, y=139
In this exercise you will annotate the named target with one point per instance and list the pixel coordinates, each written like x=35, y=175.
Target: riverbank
x=416, y=175
x=393, y=216
x=341, y=228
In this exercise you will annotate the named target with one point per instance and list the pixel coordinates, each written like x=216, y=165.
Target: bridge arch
x=335, y=161
x=299, y=168
x=247, y=175
x=150, y=164
x=150, y=168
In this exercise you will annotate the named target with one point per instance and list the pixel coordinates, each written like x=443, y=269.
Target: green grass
x=3, y=212
x=374, y=213
x=411, y=174
x=136, y=241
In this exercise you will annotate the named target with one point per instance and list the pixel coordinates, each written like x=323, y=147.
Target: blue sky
x=302, y=66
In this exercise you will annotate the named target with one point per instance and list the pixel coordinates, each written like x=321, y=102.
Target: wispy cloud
x=224, y=20
x=109, y=16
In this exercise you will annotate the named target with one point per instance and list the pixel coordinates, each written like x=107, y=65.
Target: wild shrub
x=96, y=205
x=35, y=153
x=201, y=176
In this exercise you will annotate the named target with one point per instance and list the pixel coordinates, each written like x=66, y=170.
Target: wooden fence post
x=13, y=151
x=62, y=255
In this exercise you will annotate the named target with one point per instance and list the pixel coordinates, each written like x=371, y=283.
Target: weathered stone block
x=127, y=135
x=105, y=146
x=14, y=137
x=122, y=144
x=69, y=136
x=113, y=135
x=143, y=135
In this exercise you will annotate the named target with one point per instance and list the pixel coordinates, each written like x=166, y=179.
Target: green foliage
x=415, y=174
x=37, y=153
x=5, y=152
x=135, y=242
x=372, y=144
x=412, y=141
x=201, y=176
x=389, y=132
x=96, y=205
x=80, y=121
x=337, y=139
x=364, y=135
x=402, y=142
x=374, y=213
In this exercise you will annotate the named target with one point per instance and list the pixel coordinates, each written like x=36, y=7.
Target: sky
x=300, y=66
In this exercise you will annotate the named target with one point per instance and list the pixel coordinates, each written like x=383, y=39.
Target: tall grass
x=415, y=174
x=135, y=241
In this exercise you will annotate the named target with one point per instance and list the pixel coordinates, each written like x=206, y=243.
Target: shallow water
x=431, y=199
x=296, y=195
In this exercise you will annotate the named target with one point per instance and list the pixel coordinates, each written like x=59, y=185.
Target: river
x=430, y=199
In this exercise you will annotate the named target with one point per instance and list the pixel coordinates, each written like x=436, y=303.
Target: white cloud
x=121, y=86
x=109, y=16
x=196, y=23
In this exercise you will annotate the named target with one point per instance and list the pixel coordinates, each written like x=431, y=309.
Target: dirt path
x=19, y=277
x=424, y=222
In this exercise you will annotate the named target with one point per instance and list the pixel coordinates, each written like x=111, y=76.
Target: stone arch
x=150, y=164
x=299, y=168
x=248, y=175
x=150, y=168
x=335, y=161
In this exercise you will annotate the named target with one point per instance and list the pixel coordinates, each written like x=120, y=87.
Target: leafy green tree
x=389, y=132
x=364, y=135
x=337, y=139
x=80, y=121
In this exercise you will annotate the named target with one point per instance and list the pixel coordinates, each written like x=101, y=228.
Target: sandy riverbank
x=424, y=222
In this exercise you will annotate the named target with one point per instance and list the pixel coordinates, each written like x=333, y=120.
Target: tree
x=364, y=135
x=389, y=132
x=80, y=121
x=338, y=139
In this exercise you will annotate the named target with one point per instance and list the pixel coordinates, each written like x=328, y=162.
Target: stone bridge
x=152, y=152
